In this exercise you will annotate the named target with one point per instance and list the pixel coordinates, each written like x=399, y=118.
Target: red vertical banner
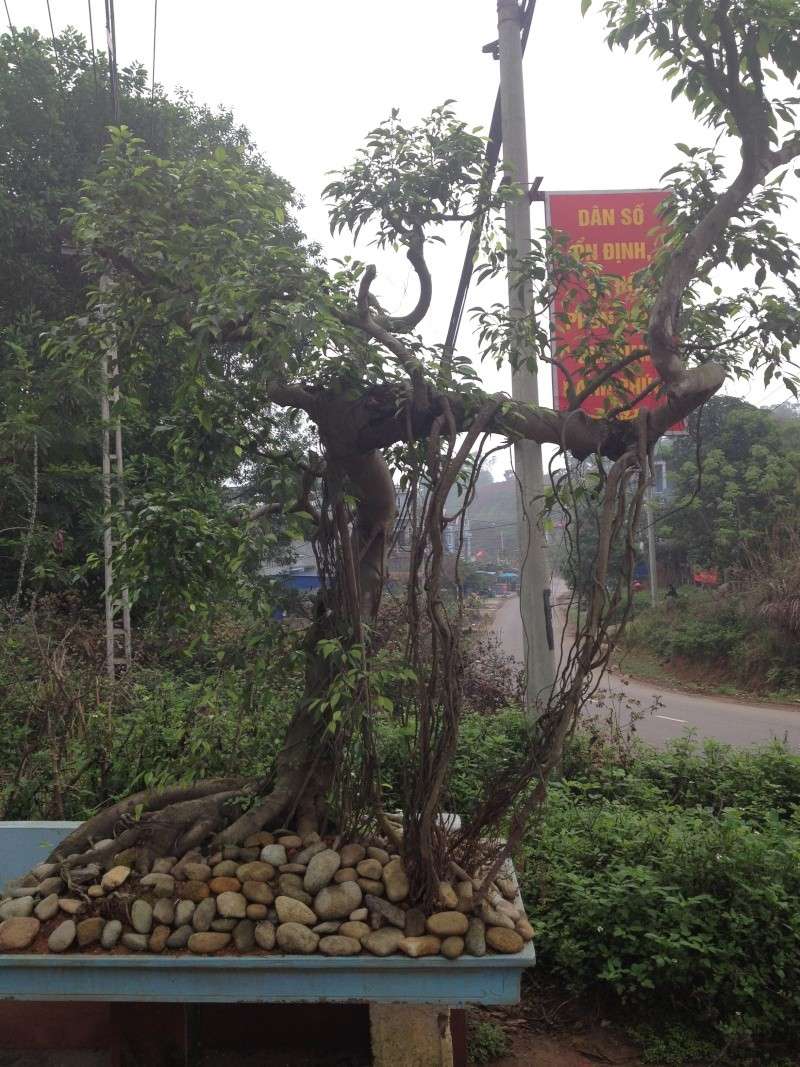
x=620, y=232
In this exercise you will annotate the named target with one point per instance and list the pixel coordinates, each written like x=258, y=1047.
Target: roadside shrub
x=721, y=629
x=70, y=742
x=679, y=911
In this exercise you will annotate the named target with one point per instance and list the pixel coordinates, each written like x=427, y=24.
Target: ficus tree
x=198, y=247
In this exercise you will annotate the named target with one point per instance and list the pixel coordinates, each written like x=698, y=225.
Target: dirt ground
x=546, y=1032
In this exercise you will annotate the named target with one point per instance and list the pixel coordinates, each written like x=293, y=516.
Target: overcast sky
x=311, y=78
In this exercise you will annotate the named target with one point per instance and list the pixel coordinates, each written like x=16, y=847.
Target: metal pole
x=651, y=547
x=110, y=393
x=108, y=543
x=534, y=577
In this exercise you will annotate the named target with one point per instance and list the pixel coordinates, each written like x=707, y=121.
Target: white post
x=651, y=546
x=110, y=392
x=534, y=576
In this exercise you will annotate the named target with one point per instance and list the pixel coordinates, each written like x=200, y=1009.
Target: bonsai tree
x=198, y=251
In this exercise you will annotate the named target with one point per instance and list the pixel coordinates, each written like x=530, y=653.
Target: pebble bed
x=278, y=894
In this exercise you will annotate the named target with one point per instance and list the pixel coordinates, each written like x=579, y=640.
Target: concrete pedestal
x=405, y=1035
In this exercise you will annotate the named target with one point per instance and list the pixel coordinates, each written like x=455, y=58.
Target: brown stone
x=126, y=858
x=420, y=946
x=196, y=872
x=62, y=937
x=453, y=947
x=358, y=930
x=370, y=868
x=114, y=878
x=464, y=894
x=258, y=840
x=257, y=912
x=255, y=872
x=18, y=933
x=507, y=887
x=89, y=931
x=448, y=898
x=383, y=942
x=294, y=911
x=265, y=936
x=396, y=881
x=390, y=912
x=448, y=924
x=158, y=938
x=258, y=892
x=95, y=892
x=206, y=943
x=376, y=889
x=352, y=854
x=225, y=869
x=224, y=885
x=337, y=901
x=231, y=905
x=295, y=937
x=70, y=906
x=338, y=945
x=291, y=841
x=195, y=891
x=524, y=929
x=345, y=874
x=492, y=917
x=503, y=940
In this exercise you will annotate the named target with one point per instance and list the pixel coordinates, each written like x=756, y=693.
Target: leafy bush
x=486, y=1042
x=70, y=742
x=722, y=629
x=679, y=910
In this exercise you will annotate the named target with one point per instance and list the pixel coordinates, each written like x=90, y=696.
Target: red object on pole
x=620, y=231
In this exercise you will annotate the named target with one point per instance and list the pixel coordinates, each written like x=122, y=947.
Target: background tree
x=55, y=111
x=749, y=485
x=385, y=404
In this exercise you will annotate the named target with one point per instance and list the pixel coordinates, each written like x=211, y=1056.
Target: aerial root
x=160, y=822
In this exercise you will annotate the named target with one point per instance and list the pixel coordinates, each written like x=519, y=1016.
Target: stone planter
x=434, y=982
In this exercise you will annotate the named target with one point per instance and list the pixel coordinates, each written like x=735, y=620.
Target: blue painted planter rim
x=230, y=979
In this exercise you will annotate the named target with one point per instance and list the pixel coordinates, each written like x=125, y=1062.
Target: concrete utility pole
x=651, y=546
x=534, y=592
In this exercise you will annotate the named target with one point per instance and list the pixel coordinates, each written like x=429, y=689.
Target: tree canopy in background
x=748, y=484
x=55, y=115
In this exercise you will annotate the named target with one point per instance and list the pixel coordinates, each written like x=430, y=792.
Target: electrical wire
x=153, y=65
x=111, y=37
x=55, y=47
x=94, y=53
x=10, y=23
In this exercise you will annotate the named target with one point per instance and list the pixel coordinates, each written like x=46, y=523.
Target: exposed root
x=106, y=823
x=170, y=821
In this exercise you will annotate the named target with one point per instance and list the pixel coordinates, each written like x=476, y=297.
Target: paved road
x=727, y=720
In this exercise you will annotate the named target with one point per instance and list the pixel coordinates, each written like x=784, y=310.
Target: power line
x=153, y=66
x=111, y=39
x=55, y=47
x=10, y=24
x=94, y=54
